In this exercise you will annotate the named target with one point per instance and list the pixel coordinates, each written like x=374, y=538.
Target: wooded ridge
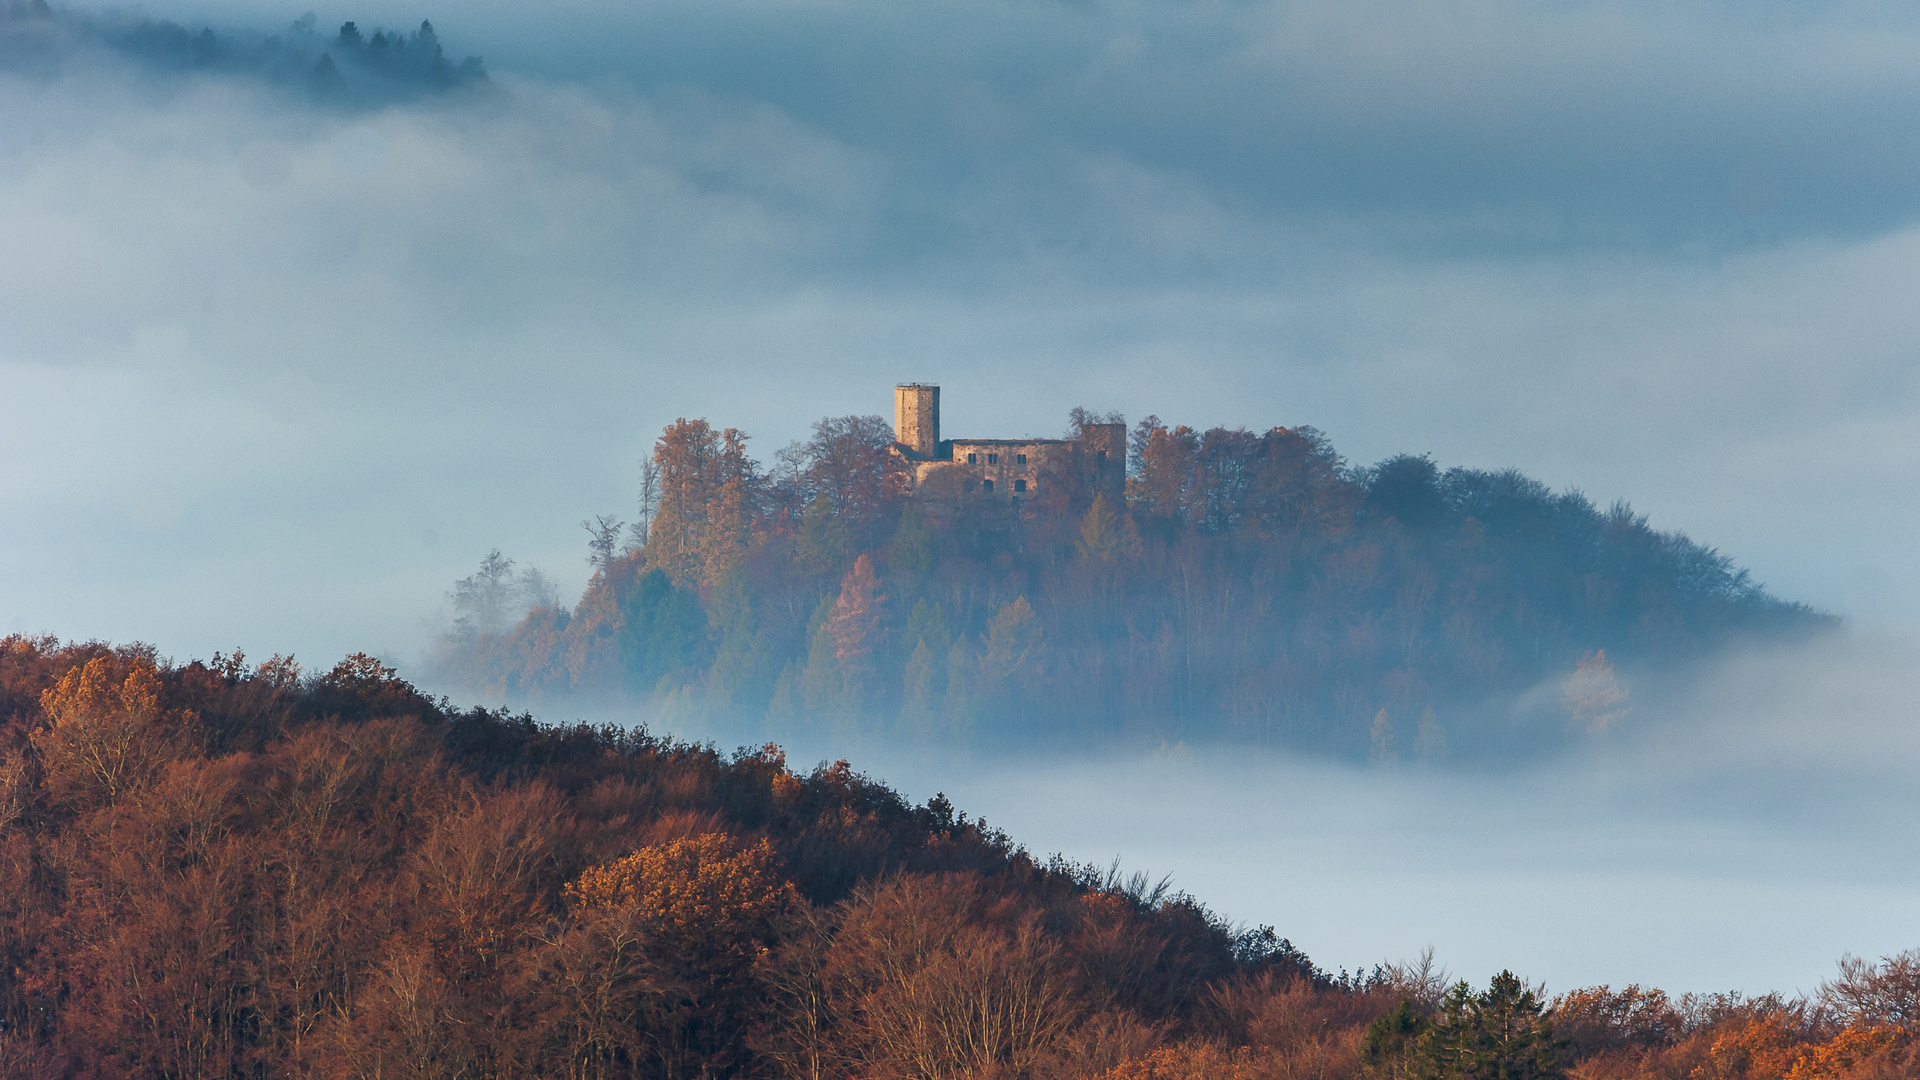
x=1251, y=588
x=225, y=870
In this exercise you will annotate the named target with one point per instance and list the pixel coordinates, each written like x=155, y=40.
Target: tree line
x=350, y=66
x=223, y=869
x=1252, y=587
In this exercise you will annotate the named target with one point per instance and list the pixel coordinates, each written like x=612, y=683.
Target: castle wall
x=1004, y=468
x=1012, y=467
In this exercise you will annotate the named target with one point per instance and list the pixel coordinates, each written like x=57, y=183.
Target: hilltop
x=1236, y=586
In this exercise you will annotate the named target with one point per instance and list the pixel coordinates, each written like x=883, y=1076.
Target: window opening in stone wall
x=1019, y=459
x=989, y=485
x=1019, y=485
x=993, y=459
x=973, y=459
x=1102, y=457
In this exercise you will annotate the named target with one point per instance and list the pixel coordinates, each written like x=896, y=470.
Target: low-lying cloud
x=1739, y=831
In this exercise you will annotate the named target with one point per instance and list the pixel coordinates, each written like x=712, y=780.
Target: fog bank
x=1741, y=832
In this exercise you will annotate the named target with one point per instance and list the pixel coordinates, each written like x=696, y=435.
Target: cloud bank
x=1740, y=831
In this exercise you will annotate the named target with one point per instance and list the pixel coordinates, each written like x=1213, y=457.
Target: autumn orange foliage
x=706, y=894
x=226, y=870
x=102, y=739
x=1189, y=1061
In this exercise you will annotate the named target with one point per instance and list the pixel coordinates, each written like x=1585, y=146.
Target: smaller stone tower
x=916, y=417
x=1105, y=447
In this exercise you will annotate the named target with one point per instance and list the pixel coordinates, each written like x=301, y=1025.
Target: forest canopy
x=352, y=66
x=222, y=869
x=1251, y=587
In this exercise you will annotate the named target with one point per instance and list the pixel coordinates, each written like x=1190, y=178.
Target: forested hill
x=1252, y=587
x=219, y=869
x=223, y=870
x=352, y=67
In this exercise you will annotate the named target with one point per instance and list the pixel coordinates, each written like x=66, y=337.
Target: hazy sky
x=274, y=376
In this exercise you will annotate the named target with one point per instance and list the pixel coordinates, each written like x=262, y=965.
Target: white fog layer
x=1740, y=834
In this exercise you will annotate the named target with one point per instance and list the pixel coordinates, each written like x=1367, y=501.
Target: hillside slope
x=218, y=870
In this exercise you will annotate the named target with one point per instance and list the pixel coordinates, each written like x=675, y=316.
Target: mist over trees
x=351, y=66
x=1250, y=587
x=222, y=869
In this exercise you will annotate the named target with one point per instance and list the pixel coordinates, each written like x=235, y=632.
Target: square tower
x=1105, y=446
x=916, y=417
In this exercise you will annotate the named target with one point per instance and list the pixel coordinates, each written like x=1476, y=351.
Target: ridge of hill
x=223, y=870
x=1252, y=588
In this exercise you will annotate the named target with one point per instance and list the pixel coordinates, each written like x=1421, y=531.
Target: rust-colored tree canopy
x=220, y=869
x=705, y=895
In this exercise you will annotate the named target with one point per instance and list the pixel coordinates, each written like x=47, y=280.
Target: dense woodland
x=222, y=870
x=352, y=66
x=1250, y=587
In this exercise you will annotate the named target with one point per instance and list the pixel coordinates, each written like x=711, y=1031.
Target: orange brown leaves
x=102, y=741
x=1771, y=1049
x=705, y=516
x=682, y=924
x=1167, y=461
x=706, y=895
x=1763, y=1049
x=940, y=978
x=1105, y=535
x=1289, y=1021
x=1191, y=1061
x=1600, y=1018
x=855, y=624
x=484, y=871
x=787, y=789
x=1117, y=953
x=1843, y=1056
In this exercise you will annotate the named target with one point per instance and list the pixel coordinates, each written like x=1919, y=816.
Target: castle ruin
x=1013, y=469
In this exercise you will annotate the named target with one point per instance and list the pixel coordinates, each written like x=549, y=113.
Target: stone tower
x=1105, y=447
x=916, y=417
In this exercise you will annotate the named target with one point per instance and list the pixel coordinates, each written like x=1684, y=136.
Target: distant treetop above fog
x=1232, y=585
x=355, y=65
